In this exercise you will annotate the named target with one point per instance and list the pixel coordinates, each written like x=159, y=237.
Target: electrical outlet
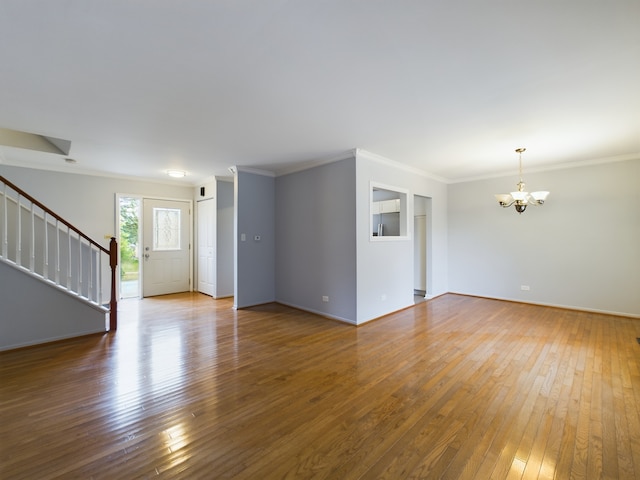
x=325, y=298
x=525, y=288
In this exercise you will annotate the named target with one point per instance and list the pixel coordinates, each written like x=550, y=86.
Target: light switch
x=243, y=237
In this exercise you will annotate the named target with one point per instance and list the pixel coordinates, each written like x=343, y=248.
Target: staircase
x=55, y=281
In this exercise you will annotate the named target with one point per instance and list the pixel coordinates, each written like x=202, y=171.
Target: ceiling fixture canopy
x=521, y=199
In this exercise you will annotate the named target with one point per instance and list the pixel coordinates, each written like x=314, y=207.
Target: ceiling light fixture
x=176, y=173
x=521, y=199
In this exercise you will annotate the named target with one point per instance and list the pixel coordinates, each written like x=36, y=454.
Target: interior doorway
x=129, y=241
x=421, y=247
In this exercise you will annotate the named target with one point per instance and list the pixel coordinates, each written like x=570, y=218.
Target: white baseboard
x=553, y=305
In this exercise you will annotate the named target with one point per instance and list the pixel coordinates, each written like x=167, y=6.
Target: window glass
x=388, y=213
x=166, y=229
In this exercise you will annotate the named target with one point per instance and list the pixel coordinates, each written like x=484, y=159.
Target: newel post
x=113, y=304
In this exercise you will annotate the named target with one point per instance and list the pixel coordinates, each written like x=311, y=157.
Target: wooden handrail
x=112, y=251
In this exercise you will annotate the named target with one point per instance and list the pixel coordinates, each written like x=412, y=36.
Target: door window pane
x=166, y=229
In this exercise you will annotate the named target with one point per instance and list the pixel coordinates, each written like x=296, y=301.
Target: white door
x=206, y=246
x=166, y=249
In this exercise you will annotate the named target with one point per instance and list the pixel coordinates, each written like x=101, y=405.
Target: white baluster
x=32, y=256
x=19, y=233
x=69, y=278
x=79, y=269
x=99, y=279
x=57, y=253
x=45, y=265
x=5, y=233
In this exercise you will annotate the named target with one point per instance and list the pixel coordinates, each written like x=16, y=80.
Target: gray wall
x=224, y=239
x=316, y=232
x=580, y=250
x=33, y=311
x=254, y=198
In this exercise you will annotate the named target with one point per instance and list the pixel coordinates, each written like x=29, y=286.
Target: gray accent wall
x=316, y=247
x=254, y=198
x=580, y=250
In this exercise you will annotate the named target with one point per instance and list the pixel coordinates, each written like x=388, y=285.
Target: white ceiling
x=449, y=87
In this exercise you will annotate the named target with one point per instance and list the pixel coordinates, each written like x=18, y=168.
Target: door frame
x=141, y=197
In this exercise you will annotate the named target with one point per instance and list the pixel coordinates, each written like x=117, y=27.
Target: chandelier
x=521, y=199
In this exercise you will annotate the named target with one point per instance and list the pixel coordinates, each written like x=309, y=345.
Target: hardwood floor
x=456, y=387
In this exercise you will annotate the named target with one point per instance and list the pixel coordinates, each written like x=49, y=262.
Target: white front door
x=165, y=247
x=206, y=246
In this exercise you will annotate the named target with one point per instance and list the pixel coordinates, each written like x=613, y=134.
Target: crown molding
x=301, y=166
x=235, y=169
x=558, y=166
x=401, y=166
x=78, y=170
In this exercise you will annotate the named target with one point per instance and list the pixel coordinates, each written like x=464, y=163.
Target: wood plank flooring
x=456, y=387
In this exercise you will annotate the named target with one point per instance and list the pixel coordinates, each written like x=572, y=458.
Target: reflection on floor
x=129, y=289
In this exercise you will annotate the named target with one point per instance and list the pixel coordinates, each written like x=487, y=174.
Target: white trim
x=302, y=165
x=75, y=170
x=96, y=306
x=316, y=312
x=206, y=180
x=401, y=166
x=549, y=168
x=408, y=235
x=255, y=171
x=307, y=165
x=554, y=305
x=431, y=297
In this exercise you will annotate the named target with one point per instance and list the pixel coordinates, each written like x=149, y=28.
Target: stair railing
x=37, y=240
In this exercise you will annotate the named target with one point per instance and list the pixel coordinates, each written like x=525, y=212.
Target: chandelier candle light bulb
x=521, y=199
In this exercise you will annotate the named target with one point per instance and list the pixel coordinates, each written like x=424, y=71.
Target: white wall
x=385, y=268
x=315, y=251
x=580, y=250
